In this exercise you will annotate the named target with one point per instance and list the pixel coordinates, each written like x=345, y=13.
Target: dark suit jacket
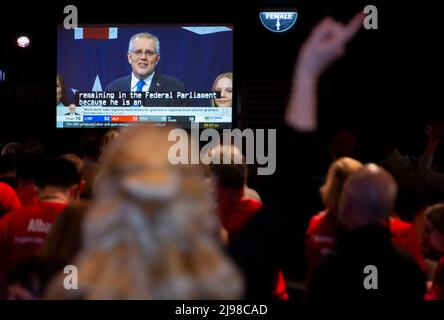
x=274, y=238
x=75, y=114
x=340, y=276
x=160, y=83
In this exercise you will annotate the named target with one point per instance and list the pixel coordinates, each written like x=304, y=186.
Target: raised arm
x=434, y=134
x=277, y=232
x=433, y=180
x=325, y=44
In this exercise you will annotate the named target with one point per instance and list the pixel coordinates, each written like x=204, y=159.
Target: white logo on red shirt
x=38, y=225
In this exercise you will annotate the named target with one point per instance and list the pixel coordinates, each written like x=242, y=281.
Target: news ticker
x=97, y=125
x=123, y=116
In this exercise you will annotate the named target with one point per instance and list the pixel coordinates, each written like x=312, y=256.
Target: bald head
x=368, y=197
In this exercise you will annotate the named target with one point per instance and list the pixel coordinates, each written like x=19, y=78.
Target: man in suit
x=72, y=110
x=143, y=56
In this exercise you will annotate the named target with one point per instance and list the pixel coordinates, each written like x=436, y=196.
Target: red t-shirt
x=8, y=199
x=405, y=238
x=27, y=194
x=235, y=215
x=23, y=231
x=320, y=239
x=322, y=236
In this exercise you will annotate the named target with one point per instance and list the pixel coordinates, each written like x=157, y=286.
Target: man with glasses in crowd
x=143, y=56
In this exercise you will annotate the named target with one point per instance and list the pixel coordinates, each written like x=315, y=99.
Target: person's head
x=143, y=54
x=61, y=91
x=338, y=172
x=230, y=169
x=434, y=229
x=91, y=145
x=80, y=167
x=152, y=231
x=7, y=168
x=368, y=197
x=110, y=136
x=29, y=157
x=72, y=108
x=224, y=85
x=11, y=147
x=59, y=174
x=64, y=240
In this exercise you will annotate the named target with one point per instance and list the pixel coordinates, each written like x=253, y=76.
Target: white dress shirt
x=135, y=80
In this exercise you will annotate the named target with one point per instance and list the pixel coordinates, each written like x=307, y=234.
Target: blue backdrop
x=195, y=56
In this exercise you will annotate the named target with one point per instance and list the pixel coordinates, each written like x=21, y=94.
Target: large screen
x=119, y=75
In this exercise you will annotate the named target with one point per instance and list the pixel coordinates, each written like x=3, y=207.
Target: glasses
x=140, y=53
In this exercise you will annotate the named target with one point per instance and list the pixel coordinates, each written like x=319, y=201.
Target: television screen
x=119, y=75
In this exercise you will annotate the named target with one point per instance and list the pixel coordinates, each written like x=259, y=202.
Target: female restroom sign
x=278, y=21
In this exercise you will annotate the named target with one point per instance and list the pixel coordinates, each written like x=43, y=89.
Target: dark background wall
x=388, y=84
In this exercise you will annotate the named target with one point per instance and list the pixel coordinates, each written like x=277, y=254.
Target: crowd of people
x=136, y=226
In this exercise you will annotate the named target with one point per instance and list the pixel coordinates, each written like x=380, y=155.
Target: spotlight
x=23, y=41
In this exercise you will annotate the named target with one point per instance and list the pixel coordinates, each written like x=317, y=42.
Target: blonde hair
x=144, y=35
x=152, y=232
x=338, y=172
x=228, y=75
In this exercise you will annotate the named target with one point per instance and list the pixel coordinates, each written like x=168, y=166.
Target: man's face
x=72, y=108
x=144, y=63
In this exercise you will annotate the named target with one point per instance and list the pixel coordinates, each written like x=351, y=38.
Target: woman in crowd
x=323, y=229
x=152, y=231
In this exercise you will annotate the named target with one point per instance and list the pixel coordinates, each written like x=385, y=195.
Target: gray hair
x=145, y=35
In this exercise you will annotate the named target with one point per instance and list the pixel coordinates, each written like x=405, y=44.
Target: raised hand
x=326, y=43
